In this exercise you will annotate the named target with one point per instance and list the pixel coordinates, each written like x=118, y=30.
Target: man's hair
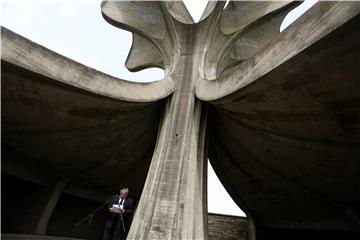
x=124, y=189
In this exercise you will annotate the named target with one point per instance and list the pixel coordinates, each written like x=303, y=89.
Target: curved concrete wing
x=40, y=60
x=133, y=16
x=62, y=121
x=153, y=31
x=143, y=54
x=239, y=14
x=320, y=20
x=287, y=146
x=255, y=36
x=253, y=29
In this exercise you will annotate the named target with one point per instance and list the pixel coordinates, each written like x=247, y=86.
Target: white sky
x=76, y=29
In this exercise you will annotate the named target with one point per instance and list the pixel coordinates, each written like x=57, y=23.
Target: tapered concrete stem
x=173, y=202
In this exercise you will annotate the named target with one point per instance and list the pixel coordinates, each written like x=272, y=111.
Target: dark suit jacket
x=114, y=219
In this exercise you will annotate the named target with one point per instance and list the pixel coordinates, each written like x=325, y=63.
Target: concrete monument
x=277, y=114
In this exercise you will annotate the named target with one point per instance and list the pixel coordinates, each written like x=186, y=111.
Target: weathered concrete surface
x=283, y=127
x=80, y=137
x=173, y=205
x=315, y=24
x=55, y=128
x=172, y=202
x=26, y=54
x=222, y=227
x=143, y=54
x=286, y=141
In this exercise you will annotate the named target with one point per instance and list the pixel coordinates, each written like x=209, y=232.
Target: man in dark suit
x=120, y=214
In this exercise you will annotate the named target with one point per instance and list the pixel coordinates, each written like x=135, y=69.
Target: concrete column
x=252, y=228
x=50, y=206
x=173, y=202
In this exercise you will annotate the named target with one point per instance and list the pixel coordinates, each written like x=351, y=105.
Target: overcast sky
x=76, y=29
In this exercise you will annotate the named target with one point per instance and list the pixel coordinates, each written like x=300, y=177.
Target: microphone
x=114, y=196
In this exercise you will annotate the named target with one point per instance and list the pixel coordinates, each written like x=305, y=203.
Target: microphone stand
x=91, y=216
x=122, y=221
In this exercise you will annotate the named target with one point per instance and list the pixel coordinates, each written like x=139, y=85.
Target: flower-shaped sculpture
x=276, y=113
x=214, y=60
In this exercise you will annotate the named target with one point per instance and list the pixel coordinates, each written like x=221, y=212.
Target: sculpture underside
x=287, y=145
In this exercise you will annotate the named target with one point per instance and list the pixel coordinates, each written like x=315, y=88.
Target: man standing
x=119, y=219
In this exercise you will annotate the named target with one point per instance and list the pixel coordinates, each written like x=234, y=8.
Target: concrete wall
x=23, y=202
x=221, y=227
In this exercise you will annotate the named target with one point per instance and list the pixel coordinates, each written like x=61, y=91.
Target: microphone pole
x=122, y=221
x=91, y=215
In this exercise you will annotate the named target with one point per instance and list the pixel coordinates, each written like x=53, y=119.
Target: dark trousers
x=114, y=234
